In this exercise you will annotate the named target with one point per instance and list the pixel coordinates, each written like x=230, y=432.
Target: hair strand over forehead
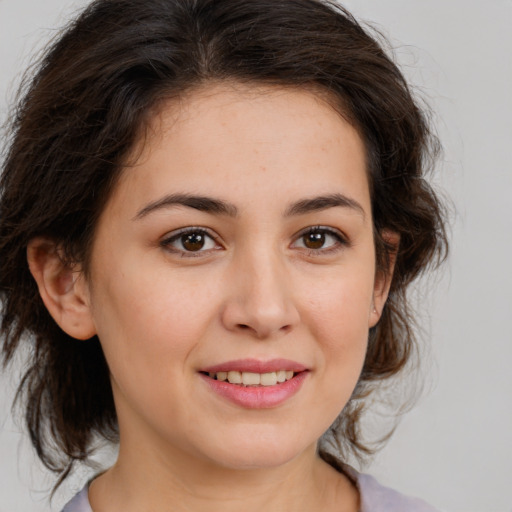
x=82, y=113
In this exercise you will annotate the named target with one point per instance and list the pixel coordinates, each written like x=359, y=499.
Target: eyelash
x=340, y=241
x=167, y=242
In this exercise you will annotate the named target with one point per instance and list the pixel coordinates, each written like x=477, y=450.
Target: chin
x=258, y=450
x=259, y=459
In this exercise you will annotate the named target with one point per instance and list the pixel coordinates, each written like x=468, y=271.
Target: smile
x=253, y=379
x=254, y=384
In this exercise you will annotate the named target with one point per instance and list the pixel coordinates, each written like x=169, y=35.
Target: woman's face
x=239, y=246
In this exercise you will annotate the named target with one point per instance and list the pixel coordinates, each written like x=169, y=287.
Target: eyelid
x=342, y=239
x=172, y=236
x=169, y=238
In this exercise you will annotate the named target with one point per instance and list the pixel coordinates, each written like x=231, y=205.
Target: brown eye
x=193, y=241
x=320, y=240
x=190, y=240
x=314, y=239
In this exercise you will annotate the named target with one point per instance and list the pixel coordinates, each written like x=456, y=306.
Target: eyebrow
x=201, y=203
x=220, y=207
x=323, y=203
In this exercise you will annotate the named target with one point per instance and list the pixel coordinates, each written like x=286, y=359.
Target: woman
x=210, y=214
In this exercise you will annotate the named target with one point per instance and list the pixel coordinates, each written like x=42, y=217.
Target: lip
x=256, y=366
x=256, y=397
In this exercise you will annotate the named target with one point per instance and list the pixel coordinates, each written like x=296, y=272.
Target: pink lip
x=256, y=397
x=255, y=366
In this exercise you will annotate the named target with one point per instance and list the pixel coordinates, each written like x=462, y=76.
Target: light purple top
x=374, y=497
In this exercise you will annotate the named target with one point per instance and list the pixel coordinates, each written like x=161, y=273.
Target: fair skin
x=276, y=266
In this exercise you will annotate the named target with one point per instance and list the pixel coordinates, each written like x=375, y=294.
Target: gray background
x=454, y=449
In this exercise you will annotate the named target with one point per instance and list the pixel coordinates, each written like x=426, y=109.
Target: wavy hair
x=82, y=111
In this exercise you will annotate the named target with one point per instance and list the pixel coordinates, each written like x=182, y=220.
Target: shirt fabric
x=373, y=497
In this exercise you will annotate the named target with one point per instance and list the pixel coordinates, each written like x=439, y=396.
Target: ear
x=63, y=288
x=383, y=277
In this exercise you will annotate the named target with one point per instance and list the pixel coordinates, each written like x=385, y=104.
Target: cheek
x=148, y=321
x=338, y=316
x=341, y=303
x=149, y=331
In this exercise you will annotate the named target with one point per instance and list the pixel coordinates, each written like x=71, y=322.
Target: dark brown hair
x=82, y=112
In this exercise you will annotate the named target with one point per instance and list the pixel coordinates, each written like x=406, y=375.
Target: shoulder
x=80, y=503
x=378, y=498
x=374, y=497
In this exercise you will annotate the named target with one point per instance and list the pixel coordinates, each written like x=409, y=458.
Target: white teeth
x=268, y=379
x=281, y=376
x=253, y=379
x=235, y=377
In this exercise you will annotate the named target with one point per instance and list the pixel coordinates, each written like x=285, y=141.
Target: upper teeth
x=253, y=379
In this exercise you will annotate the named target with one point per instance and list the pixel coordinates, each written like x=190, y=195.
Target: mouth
x=254, y=384
x=251, y=378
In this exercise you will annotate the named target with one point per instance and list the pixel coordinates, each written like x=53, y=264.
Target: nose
x=261, y=301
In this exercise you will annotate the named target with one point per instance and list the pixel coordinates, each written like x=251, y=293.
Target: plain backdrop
x=455, y=448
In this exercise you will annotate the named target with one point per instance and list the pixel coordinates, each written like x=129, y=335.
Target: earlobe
x=63, y=289
x=384, y=277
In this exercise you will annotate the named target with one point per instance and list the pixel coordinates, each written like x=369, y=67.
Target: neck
x=166, y=483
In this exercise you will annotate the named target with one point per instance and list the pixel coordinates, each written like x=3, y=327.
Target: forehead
x=226, y=136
